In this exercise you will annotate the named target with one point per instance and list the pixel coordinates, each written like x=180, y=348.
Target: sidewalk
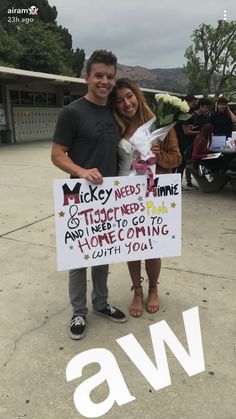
x=35, y=347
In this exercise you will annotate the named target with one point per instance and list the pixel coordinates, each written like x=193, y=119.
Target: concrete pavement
x=35, y=348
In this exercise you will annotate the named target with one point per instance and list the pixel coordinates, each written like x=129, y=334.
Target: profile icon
x=33, y=10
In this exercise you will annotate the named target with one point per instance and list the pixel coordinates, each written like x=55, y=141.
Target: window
x=15, y=97
x=40, y=99
x=52, y=99
x=68, y=98
x=26, y=98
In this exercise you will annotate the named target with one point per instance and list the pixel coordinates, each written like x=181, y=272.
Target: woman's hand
x=211, y=154
x=155, y=149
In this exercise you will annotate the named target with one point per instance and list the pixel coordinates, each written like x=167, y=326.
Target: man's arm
x=190, y=130
x=60, y=158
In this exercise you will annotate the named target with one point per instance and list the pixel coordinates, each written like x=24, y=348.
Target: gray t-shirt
x=91, y=133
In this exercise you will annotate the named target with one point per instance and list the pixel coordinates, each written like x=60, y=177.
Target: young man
x=200, y=115
x=85, y=146
x=223, y=118
x=192, y=102
x=186, y=132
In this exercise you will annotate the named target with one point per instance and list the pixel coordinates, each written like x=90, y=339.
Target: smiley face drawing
x=33, y=10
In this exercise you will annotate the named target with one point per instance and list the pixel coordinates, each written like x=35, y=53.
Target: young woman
x=131, y=111
x=201, y=146
x=202, y=143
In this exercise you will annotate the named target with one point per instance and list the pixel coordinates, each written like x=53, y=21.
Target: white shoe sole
x=76, y=337
x=123, y=320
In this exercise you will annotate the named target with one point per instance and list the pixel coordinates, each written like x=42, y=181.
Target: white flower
x=184, y=106
x=167, y=98
x=158, y=96
x=176, y=102
x=169, y=109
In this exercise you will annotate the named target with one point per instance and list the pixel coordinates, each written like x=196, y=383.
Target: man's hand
x=92, y=175
x=61, y=159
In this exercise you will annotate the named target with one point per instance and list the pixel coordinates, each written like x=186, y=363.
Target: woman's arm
x=167, y=151
x=125, y=160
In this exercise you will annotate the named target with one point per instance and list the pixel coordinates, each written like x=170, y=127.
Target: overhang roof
x=16, y=74
x=11, y=75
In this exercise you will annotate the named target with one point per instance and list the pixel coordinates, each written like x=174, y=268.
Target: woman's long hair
x=143, y=114
x=205, y=135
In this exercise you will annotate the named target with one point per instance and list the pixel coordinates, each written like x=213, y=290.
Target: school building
x=31, y=101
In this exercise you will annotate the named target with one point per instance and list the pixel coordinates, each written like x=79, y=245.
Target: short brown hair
x=101, y=56
x=222, y=100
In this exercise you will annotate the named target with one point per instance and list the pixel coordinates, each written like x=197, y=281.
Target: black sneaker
x=112, y=313
x=77, y=327
x=192, y=186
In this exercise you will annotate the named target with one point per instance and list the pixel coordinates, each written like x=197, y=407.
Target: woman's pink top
x=199, y=150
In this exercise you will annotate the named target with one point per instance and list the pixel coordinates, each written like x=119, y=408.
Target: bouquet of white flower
x=169, y=109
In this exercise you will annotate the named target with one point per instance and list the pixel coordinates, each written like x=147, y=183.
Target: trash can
x=6, y=136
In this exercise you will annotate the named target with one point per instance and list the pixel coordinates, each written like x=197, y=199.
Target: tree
x=41, y=45
x=78, y=61
x=43, y=50
x=10, y=49
x=211, y=61
x=46, y=13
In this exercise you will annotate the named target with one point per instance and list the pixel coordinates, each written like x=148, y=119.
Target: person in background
x=201, y=146
x=131, y=111
x=187, y=131
x=85, y=146
x=184, y=133
x=192, y=102
x=223, y=118
x=200, y=115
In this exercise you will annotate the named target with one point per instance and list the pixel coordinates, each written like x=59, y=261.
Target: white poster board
x=117, y=221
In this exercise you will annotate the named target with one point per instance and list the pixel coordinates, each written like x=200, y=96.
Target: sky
x=147, y=33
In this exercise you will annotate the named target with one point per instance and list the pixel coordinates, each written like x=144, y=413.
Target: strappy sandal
x=153, y=302
x=136, y=307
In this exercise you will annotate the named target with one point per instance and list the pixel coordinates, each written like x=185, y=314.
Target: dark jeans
x=182, y=167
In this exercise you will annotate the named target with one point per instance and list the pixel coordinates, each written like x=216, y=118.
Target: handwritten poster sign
x=117, y=221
